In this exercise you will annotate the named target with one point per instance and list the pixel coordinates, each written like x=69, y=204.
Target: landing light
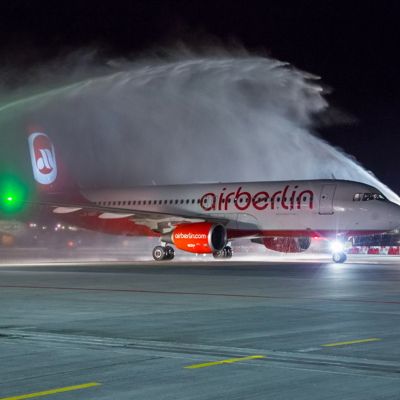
x=337, y=247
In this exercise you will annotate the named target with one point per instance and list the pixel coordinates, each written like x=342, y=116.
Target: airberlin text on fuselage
x=287, y=199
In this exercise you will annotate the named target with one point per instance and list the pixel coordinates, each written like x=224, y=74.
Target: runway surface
x=247, y=329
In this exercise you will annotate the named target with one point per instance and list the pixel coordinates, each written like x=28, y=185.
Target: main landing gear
x=161, y=253
x=339, y=257
x=226, y=253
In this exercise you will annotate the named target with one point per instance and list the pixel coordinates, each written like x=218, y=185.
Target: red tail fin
x=49, y=170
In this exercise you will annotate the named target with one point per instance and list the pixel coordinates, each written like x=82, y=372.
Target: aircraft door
x=326, y=199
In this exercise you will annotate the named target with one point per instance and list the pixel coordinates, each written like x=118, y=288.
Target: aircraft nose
x=394, y=216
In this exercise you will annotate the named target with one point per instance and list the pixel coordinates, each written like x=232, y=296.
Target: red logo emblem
x=43, y=158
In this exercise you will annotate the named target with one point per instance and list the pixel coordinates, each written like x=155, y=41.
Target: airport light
x=13, y=194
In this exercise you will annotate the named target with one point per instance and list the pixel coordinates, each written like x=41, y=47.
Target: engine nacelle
x=285, y=244
x=199, y=237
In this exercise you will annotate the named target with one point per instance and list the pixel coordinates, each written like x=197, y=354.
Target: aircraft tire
x=218, y=255
x=225, y=253
x=339, y=257
x=159, y=253
x=170, y=252
x=228, y=252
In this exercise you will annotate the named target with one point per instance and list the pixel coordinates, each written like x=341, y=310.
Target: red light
x=70, y=243
x=318, y=238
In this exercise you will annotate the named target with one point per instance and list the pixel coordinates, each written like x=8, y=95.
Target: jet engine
x=198, y=237
x=285, y=244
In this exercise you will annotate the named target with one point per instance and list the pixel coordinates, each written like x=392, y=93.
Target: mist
x=191, y=118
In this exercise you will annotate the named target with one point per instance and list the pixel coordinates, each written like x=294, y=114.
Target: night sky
x=353, y=45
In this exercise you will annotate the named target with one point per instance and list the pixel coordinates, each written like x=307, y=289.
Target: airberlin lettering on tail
x=43, y=158
x=287, y=199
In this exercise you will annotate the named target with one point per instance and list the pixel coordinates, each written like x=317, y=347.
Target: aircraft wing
x=155, y=220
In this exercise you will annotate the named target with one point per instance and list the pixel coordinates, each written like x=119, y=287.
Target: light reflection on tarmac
x=41, y=256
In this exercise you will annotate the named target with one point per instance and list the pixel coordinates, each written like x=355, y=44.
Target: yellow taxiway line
x=232, y=360
x=342, y=343
x=66, y=389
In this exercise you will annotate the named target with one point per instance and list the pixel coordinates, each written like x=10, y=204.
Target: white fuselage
x=289, y=208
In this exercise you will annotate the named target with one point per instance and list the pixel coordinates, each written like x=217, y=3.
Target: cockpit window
x=379, y=196
x=368, y=197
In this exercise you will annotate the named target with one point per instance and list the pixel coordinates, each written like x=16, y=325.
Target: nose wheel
x=339, y=257
x=165, y=253
x=225, y=253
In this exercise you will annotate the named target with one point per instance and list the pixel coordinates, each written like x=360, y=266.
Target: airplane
x=206, y=218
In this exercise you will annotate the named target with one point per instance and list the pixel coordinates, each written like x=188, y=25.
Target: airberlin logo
x=190, y=236
x=43, y=158
x=287, y=199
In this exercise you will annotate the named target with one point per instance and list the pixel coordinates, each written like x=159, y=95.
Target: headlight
x=337, y=247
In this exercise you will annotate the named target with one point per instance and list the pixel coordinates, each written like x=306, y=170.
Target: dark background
x=352, y=45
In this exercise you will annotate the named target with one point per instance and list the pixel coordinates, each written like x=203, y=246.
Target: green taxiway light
x=13, y=194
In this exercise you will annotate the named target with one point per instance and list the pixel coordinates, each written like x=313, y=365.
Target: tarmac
x=290, y=329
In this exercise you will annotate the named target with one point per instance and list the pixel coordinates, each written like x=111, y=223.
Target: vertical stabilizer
x=49, y=171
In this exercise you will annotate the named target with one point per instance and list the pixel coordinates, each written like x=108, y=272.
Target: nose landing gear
x=339, y=257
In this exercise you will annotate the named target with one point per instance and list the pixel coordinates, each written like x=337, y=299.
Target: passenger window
x=357, y=197
x=278, y=199
x=176, y=201
x=113, y=203
x=198, y=201
x=119, y=203
x=134, y=202
x=241, y=200
x=192, y=201
x=139, y=202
